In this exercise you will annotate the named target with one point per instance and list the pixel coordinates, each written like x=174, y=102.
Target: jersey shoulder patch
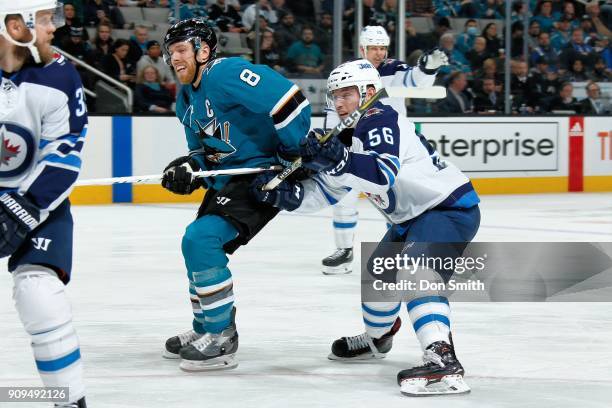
x=59, y=74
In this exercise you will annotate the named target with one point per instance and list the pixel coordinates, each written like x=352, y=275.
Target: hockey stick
x=434, y=92
x=155, y=178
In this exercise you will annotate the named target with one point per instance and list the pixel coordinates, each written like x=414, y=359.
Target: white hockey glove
x=431, y=61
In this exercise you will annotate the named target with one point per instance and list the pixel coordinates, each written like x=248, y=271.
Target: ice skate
x=338, y=263
x=440, y=375
x=364, y=347
x=78, y=404
x=176, y=343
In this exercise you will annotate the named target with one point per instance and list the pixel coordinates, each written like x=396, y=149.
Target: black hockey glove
x=18, y=217
x=287, y=196
x=431, y=61
x=331, y=157
x=178, y=176
x=286, y=157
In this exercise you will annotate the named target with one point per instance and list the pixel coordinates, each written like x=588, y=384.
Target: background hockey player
x=373, y=46
x=425, y=199
x=43, y=120
x=235, y=114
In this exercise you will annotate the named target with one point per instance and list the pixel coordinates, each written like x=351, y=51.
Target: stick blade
x=431, y=92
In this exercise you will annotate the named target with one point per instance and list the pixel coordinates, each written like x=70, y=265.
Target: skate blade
x=219, y=363
x=337, y=270
x=170, y=356
x=448, y=385
x=362, y=358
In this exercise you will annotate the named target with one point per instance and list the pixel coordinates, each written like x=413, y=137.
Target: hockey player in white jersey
x=373, y=46
x=425, y=199
x=43, y=120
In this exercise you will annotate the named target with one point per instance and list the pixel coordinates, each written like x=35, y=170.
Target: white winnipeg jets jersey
x=396, y=167
x=43, y=121
x=392, y=73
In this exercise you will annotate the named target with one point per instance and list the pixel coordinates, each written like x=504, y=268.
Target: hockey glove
x=178, y=176
x=331, y=157
x=431, y=61
x=287, y=196
x=18, y=217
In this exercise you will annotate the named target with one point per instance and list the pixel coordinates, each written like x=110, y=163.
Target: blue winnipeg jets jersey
x=43, y=121
x=396, y=167
x=239, y=114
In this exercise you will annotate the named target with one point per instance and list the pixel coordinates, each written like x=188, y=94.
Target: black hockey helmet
x=194, y=30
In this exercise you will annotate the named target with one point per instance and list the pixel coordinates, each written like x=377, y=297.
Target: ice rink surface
x=129, y=293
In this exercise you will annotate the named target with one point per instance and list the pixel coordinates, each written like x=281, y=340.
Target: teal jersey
x=239, y=114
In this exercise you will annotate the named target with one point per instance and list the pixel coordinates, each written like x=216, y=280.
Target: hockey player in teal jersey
x=235, y=115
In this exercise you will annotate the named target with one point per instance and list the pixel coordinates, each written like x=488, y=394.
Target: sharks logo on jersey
x=216, y=140
x=16, y=150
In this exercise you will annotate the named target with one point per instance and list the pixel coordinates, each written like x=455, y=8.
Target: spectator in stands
x=456, y=60
x=226, y=17
x=534, y=31
x=280, y=8
x=62, y=34
x=305, y=56
x=489, y=100
x=302, y=9
x=599, y=72
x=287, y=32
x=447, y=8
x=576, y=72
x=270, y=53
x=413, y=39
x=521, y=87
x=562, y=35
x=150, y=95
x=456, y=101
x=153, y=57
x=102, y=43
x=569, y=13
x=593, y=103
x=565, y=100
x=419, y=8
x=587, y=28
x=465, y=40
x=77, y=47
x=117, y=65
x=516, y=30
x=478, y=54
x=98, y=11
x=492, y=9
x=489, y=70
x=432, y=39
x=265, y=9
x=545, y=82
x=493, y=42
x=263, y=27
x=138, y=44
x=544, y=49
x=593, y=11
x=544, y=15
x=575, y=49
x=192, y=9
x=325, y=38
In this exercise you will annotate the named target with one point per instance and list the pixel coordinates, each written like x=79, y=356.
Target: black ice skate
x=212, y=351
x=441, y=374
x=176, y=343
x=364, y=347
x=338, y=263
x=79, y=404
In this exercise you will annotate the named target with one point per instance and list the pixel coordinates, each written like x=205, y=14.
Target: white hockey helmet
x=27, y=10
x=372, y=35
x=360, y=73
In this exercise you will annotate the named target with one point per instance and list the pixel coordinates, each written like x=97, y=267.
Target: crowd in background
x=568, y=41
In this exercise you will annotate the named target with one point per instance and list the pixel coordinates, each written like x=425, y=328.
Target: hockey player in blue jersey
x=235, y=114
x=373, y=46
x=425, y=199
x=43, y=121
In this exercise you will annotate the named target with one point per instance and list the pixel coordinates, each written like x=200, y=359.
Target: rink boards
x=502, y=155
